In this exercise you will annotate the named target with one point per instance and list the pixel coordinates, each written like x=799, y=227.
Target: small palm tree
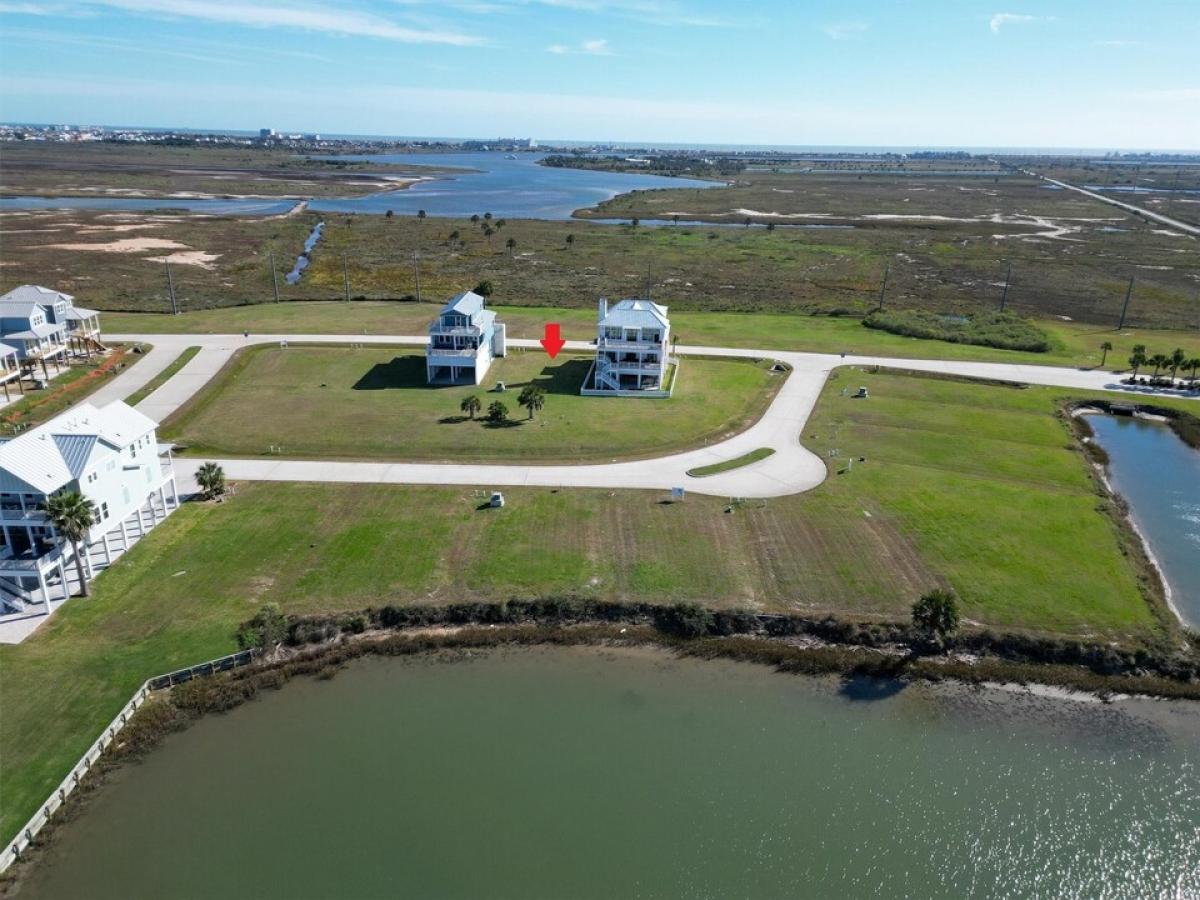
x=420, y=215
x=488, y=231
x=1136, y=360
x=532, y=398
x=570, y=240
x=1194, y=365
x=635, y=222
x=1104, y=348
x=389, y=214
x=935, y=616
x=72, y=515
x=453, y=236
x=475, y=219
x=487, y=217
x=211, y=479
x=1177, y=359
x=511, y=244
x=500, y=223
x=1158, y=360
x=497, y=412
x=471, y=405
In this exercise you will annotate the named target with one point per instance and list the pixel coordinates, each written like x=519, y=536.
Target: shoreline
x=1128, y=517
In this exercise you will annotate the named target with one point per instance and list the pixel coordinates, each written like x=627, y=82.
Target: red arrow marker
x=552, y=340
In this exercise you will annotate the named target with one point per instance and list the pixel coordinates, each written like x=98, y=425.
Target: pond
x=1159, y=477
x=620, y=773
x=508, y=188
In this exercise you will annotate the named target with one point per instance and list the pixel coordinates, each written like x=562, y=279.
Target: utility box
x=499, y=337
x=862, y=392
x=497, y=500
x=500, y=388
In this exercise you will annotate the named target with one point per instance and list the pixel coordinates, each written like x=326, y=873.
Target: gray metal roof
x=7, y=350
x=78, y=314
x=37, y=331
x=52, y=455
x=635, y=314
x=468, y=303
x=34, y=293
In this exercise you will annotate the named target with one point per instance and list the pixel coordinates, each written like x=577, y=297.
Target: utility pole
x=1007, y=279
x=883, y=285
x=171, y=288
x=647, y=281
x=274, y=277
x=1125, y=308
x=346, y=276
x=417, y=272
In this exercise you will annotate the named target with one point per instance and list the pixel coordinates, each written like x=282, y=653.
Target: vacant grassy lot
x=970, y=486
x=1073, y=344
x=373, y=403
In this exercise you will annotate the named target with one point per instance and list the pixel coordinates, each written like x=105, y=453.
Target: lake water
x=508, y=188
x=587, y=773
x=1159, y=476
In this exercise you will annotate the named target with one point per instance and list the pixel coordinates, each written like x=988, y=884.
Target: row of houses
x=41, y=328
x=632, y=337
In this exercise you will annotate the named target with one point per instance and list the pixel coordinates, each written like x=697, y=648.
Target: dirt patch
x=125, y=245
x=188, y=258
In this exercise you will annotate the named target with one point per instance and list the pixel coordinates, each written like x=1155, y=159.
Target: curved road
x=792, y=469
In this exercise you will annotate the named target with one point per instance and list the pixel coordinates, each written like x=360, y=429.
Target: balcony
x=450, y=352
x=622, y=344
x=455, y=330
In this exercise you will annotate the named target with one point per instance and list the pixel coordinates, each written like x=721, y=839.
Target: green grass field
x=744, y=460
x=971, y=486
x=373, y=403
x=1075, y=344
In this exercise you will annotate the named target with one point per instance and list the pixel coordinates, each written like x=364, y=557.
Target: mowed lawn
x=1073, y=343
x=964, y=485
x=374, y=403
x=986, y=484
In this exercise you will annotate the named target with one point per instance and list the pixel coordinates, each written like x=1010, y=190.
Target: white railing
x=450, y=351
x=12, y=852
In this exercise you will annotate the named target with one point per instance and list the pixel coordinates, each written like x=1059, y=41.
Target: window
x=103, y=511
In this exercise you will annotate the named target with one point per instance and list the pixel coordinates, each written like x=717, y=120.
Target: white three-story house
x=110, y=456
x=631, y=350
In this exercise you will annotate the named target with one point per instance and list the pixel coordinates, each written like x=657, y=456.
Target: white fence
x=29, y=830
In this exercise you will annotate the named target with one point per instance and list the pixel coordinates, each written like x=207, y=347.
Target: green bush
x=989, y=329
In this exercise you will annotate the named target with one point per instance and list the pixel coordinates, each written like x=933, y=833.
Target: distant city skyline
x=1057, y=74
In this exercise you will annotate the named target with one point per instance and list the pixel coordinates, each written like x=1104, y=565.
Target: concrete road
x=790, y=470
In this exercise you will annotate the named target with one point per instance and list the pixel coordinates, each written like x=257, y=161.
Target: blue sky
x=1102, y=74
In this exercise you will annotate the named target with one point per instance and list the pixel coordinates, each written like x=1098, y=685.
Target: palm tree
x=500, y=223
x=511, y=244
x=1158, y=360
x=470, y=405
x=635, y=222
x=935, y=616
x=389, y=214
x=1105, y=347
x=1193, y=364
x=211, y=478
x=1177, y=359
x=532, y=398
x=487, y=217
x=570, y=240
x=72, y=515
x=475, y=219
x=488, y=231
x=1137, y=359
x=420, y=215
x=453, y=236
x=497, y=412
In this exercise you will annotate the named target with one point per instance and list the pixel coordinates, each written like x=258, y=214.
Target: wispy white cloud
x=266, y=14
x=844, y=31
x=1119, y=43
x=999, y=20
x=1169, y=95
x=594, y=47
x=110, y=43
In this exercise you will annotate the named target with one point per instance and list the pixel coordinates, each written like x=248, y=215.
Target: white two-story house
x=463, y=340
x=631, y=350
x=110, y=456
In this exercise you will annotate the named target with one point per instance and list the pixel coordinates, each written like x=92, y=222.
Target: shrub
x=685, y=620
x=935, y=616
x=266, y=629
x=990, y=329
